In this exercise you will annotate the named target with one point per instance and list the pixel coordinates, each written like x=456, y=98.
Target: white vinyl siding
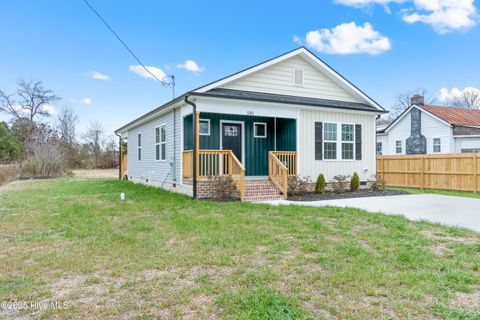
x=308, y=166
x=467, y=144
x=277, y=79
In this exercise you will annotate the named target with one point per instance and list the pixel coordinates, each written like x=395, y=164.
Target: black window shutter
x=318, y=141
x=358, y=142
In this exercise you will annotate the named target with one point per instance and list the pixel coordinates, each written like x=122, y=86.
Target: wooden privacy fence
x=123, y=165
x=460, y=172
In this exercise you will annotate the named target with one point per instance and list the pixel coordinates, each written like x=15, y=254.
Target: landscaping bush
x=320, y=185
x=298, y=185
x=355, y=182
x=377, y=183
x=339, y=183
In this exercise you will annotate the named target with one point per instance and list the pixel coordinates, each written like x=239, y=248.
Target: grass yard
x=434, y=191
x=161, y=255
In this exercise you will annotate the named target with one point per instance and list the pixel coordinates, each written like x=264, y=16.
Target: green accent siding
x=255, y=149
x=286, y=135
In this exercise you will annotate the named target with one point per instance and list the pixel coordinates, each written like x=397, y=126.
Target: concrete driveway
x=448, y=210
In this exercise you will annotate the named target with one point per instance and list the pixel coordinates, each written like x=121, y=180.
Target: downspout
x=195, y=147
x=119, y=156
x=174, y=169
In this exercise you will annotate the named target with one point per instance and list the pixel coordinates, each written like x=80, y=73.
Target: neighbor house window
x=157, y=143
x=330, y=141
x=379, y=148
x=163, y=142
x=398, y=146
x=139, y=147
x=259, y=130
x=298, y=77
x=348, y=141
x=204, y=127
x=437, y=145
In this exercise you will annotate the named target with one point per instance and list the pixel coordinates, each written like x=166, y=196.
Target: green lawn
x=446, y=192
x=161, y=255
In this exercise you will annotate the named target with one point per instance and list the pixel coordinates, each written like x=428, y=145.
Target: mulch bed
x=311, y=196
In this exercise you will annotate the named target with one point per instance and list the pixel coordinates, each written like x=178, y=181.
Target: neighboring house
x=424, y=129
x=290, y=115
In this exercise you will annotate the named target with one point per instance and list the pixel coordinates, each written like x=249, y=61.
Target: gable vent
x=298, y=77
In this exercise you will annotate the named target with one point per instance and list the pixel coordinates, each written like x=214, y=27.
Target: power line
x=164, y=83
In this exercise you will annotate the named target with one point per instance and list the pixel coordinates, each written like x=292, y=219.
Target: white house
x=290, y=115
x=424, y=129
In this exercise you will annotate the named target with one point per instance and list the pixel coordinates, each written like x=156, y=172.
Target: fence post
x=475, y=172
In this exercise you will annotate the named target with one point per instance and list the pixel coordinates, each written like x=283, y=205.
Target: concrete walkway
x=448, y=210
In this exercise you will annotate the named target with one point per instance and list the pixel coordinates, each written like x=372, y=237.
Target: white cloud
x=86, y=100
x=348, y=38
x=297, y=40
x=447, y=95
x=443, y=15
x=99, y=76
x=190, y=65
x=139, y=70
x=49, y=109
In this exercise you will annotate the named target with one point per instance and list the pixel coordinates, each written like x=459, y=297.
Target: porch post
x=275, y=133
x=197, y=143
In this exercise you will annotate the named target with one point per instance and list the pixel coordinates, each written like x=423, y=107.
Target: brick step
x=263, y=198
x=261, y=190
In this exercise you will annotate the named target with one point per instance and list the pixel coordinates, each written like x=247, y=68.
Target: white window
x=259, y=130
x=157, y=143
x=139, y=147
x=204, y=127
x=437, y=145
x=348, y=139
x=398, y=146
x=163, y=142
x=298, y=77
x=330, y=141
x=379, y=148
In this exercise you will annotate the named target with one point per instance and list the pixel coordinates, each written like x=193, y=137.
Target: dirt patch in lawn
x=311, y=196
x=467, y=301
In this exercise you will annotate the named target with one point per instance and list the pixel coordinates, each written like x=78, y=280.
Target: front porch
x=241, y=147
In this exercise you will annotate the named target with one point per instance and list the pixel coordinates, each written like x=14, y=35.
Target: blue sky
x=385, y=47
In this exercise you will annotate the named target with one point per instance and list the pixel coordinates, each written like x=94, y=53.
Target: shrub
x=224, y=186
x=320, y=185
x=8, y=172
x=377, y=183
x=355, y=182
x=339, y=183
x=298, y=185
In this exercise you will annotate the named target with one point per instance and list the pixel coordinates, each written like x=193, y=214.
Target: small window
x=157, y=143
x=259, y=130
x=437, y=145
x=379, y=148
x=298, y=77
x=139, y=147
x=204, y=127
x=163, y=142
x=398, y=146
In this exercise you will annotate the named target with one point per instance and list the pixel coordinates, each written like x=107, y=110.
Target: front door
x=232, y=138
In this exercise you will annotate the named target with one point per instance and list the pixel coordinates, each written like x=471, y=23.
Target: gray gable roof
x=287, y=99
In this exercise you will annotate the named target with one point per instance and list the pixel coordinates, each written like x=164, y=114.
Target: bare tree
x=468, y=99
x=66, y=123
x=94, y=138
x=403, y=101
x=29, y=101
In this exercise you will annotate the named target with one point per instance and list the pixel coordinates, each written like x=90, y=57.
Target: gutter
x=195, y=147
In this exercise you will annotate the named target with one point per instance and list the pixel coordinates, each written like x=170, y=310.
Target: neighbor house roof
x=456, y=116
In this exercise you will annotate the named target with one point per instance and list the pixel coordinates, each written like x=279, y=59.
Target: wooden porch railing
x=289, y=159
x=278, y=173
x=215, y=163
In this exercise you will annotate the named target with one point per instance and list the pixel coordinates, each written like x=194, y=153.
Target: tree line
x=47, y=144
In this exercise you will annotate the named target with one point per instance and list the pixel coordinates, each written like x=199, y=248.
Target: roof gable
x=405, y=113
x=276, y=76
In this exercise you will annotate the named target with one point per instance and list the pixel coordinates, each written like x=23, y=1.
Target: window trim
x=294, y=77
x=163, y=156
x=439, y=145
x=263, y=124
x=339, y=142
x=204, y=134
x=396, y=147
x=139, y=147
